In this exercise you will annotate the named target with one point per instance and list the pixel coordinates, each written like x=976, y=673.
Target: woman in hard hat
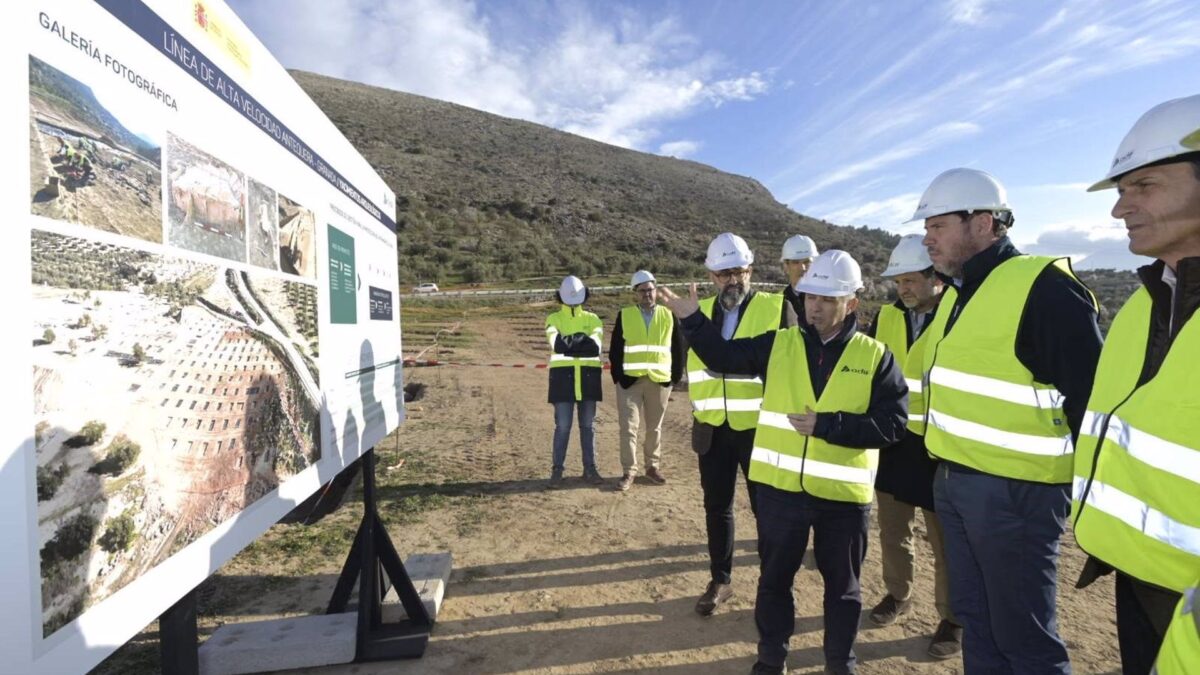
x=575, y=336
x=832, y=396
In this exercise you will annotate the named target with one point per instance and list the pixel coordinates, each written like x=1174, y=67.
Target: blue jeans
x=1001, y=540
x=562, y=432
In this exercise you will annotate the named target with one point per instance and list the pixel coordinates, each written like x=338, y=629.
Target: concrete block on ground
x=279, y=644
x=430, y=574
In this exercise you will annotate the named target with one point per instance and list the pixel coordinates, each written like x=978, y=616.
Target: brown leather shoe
x=715, y=595
x=946, y=642
x=626, y=482
x=655, y=476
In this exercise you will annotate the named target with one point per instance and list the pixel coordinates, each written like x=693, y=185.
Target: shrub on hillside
x=71, y=541
x=119, y=534
x=120, y=455
x=49, y=480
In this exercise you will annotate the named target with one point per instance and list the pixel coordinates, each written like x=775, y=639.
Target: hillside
x=483, y=198
x=83, y=112
x=487, y=198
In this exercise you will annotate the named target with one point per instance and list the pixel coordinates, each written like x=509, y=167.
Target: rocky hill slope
x=487, y=198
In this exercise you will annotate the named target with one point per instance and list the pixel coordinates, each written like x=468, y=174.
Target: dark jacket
x=884, y=422
x=562, y=380
x=616, y=355
x=1158, y=603
x=795, y=301
x=1058, y=339
x=906, y=469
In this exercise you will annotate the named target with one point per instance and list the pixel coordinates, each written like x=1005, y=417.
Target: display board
x=203, y=321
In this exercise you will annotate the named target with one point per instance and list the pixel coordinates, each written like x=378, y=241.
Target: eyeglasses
x=726, y=275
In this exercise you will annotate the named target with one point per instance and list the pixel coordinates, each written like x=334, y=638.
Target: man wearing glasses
x=646, y=356
x=725, y=407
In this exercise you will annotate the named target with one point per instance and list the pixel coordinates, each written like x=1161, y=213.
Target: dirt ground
x=587, y=579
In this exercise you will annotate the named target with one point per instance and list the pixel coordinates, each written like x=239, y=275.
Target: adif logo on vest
x=859, y=371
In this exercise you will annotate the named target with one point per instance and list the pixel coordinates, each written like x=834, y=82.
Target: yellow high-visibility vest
x=1136, y=497
x=892, y=331
x=1180, y=651
x=787, y=460
x=647, y=350
x=568, y=321
x=717, y=397
x=985, y=410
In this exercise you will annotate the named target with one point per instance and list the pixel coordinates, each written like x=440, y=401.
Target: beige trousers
x=642, y=405
x=896, y=520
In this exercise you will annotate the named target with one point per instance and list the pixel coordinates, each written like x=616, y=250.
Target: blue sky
x=843, y=110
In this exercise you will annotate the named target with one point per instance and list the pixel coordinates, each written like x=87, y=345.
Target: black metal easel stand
x=374, y=563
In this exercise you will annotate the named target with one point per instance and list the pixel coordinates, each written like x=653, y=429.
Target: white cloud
x=1090, y=244
x=967, y=12
x=680, y=149
x=616, y=81
x=940, y=135
x=886, y=213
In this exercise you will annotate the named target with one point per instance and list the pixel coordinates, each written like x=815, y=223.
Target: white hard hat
x=728, y=251
x=910, y=255
x=962, y=190
x=572, y=291
x=834, y=273
x=798, y=247
x=641, y=277
x=1157, y=135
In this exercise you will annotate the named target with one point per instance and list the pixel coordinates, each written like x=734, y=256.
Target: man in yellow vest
x=796, y=257
x=575, y=336
x=1008, y=366
x=1137, y=467
x=725, y=406
x=646, y=357
x=1180, y=652
x=832, y=398
x=905, y=478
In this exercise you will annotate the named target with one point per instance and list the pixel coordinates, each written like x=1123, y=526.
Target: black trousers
x=1143, y=613
x=728, y=454
x=840, y=544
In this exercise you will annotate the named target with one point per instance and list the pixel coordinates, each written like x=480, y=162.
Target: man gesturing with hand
x=832, y=396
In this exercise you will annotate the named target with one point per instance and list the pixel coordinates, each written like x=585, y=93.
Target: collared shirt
x=730, y=322
x=917, y=321
x=647, y=315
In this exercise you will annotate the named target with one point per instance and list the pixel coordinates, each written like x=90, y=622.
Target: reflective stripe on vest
x=569, y=321
x=647, y=351
x=787, y=460
x=1136, y=499
x=985, y=410
x=717, y=397
x=1180, y=651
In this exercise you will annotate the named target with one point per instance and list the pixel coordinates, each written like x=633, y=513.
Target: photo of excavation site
x=85, y=166
x=168, y=396
x=263, y=226
x=206, y=202
x=297, y=239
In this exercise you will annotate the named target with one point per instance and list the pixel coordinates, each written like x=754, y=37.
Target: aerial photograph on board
x=169, y=395
x=206, y=202
x=86, y=165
